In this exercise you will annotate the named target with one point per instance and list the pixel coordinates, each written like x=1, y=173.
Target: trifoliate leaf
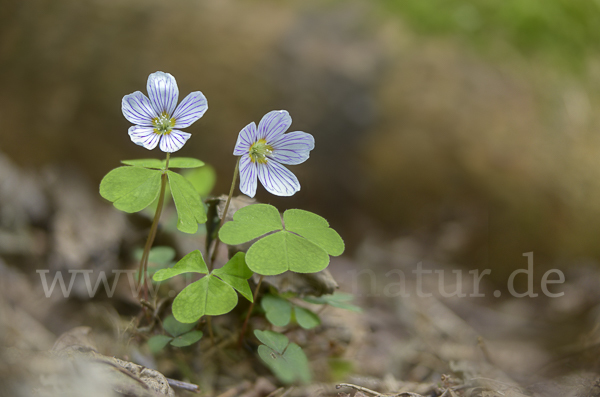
x=203, y=179
x=274, y=340
x=236, y=274
x=305, y=318
x=190, y=210
x=175, y=328
x=184, y=162
x=187, y=339
x=284, y=251
x=249, y=223
x=131, y=189
x=209, y=295
x=277, y=310
x=158, y=342
x=192, y=262
x=175, y=162
x=288, y=362
x=339, y=300
x=315, y=229
x=146, y=163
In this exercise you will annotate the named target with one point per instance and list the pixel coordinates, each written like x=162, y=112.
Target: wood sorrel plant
x=300, y=241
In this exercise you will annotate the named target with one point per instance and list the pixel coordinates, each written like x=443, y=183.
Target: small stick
x=183, y=385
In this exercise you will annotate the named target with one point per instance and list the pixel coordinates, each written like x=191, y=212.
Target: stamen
x=260, y=151
x=163, y=124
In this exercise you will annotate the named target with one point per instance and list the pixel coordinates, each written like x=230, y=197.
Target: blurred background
x=474, y=114
x=465, y=128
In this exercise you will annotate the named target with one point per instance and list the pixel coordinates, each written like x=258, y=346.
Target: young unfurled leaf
x=236, y=274
x=191, y=263
x=249, y=223
x=131, y=189
x=203, y=179
x=158, y=342
x=277, y=310
x=187, y=339
x=305, y=318
x=287, y=360
x=175, y=328
x=209, y=295
x=282, y=251
x=303, y=246
x=190, y=210
x=315, y=229
x=175, y=162
x=339, y=299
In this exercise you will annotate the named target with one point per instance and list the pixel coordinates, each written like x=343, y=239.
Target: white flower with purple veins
x=156, y=119
x=263, y=150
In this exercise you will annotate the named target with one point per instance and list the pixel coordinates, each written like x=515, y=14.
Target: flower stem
x=217, y=240
x=243, y=331
x=142, y=278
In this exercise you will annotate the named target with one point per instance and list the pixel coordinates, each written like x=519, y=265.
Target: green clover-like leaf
x=146, y=163
x=249, y=223
x=289, y=363
x=274, y=340
x=175, y=328
x=158, y=342
x=207, y=296
x=315, y=229
x=283, y=251
x=339, y=300
x=277, y=310
x=131, y=189
x=175, y=162
x=190, y=210
x=191, y=263
x=187, y=339
x=305, y=318
x=236, y=274
x=184, y=162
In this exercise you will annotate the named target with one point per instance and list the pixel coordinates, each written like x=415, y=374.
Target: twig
x=184, y=385
x=377, y=394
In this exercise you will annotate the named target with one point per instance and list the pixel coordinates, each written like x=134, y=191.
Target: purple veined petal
x=173, y=141
x=144, y=136
x=163, y=92
x=277, y=179
x=247, y=176
x=190, y=109
x=246, y=138
x=137, y=109
x=273, y=124
x=293, y=148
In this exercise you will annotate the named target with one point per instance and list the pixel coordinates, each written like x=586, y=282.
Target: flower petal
x=173, y=141
x=144, y=136
x=137, y=109
x=293, y=148
x=277, y=179
x=247, y=176
x=163, y=92
x=190, y=109
x=273, y=124
x=245, y=139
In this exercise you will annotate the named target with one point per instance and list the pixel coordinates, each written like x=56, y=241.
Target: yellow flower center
x=163, y=124
x=259, y=151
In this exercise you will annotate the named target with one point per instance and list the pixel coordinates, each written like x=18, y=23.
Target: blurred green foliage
x=563, y=32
